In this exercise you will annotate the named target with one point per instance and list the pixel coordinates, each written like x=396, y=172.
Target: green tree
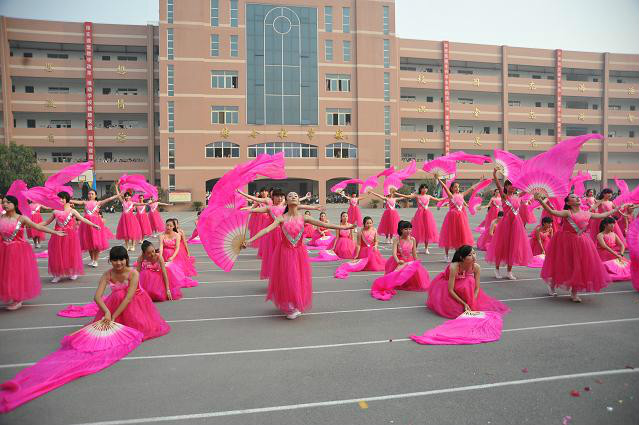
x=19, y=162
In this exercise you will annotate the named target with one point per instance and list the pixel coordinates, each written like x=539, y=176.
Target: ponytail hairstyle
x=461, y=253
x=145, y=245
x=605, y=222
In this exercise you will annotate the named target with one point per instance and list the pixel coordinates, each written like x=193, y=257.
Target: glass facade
x=215, y=13
x=170, y=109
x=170, y=86
x=169, y=11
x=346, y=19
x=290, y=149
x=171, y=155
x=386, y=86
x=233, y=13
x=328, y=18
x=281, y=44
x=215, y=45
x=234, y=46
x=386, y=19
x=222, y=150
x=386, y=53
x=328, y=50
x=169, y=43
x=346, y=49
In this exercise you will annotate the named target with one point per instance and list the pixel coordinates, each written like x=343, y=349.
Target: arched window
x=222, y=150
x=341, y=150
x=290, y=149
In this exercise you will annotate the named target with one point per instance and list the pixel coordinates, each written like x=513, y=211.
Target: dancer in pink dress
x=128, y=303
x=455, y=230
x=457, y=289
x=609, y=245
x=605, y=204
x=65, y=253
x=155, y=218
x=487, y=236
x=20, y=279
x=541, y=236
x=257, y=221
x=128, y=227
x=367, y=242
x=172, y=251
x=185, y=251
x=589, y=200
x=625, y=217
x=91, y=239
x=143, y=218
x=526, y=212
x=344, y=244
x=510, y=242
x=354, y=213
x=390, y=218
x=424, y=226
x=494, y=206
x=309, y=229
x=156, y=279
x=322, y=237
x=32, y=233
x=572, y=261
x=290, y=284
x=404, y=253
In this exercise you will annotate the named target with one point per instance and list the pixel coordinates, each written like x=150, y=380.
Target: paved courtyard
x=232, y=358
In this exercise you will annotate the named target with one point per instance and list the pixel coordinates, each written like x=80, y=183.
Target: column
x=150, y=100
x=604, y=144
x=504, y=96
x=7, y=116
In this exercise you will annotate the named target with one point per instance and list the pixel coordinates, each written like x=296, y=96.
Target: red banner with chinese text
x=89, y=91
x=446, y=99
x=558, y=106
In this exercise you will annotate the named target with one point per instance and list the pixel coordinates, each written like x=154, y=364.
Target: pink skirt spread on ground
x=411, y=276
x=474, y=327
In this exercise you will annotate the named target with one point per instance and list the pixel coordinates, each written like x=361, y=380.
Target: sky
x=583, y=25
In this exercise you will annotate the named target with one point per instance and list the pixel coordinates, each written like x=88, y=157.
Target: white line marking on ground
x=345, y=344
x=365, y=398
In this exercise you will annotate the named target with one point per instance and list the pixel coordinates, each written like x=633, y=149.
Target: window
x=338, y=116
x=429, y=128
x=222, y=150
x=328, y=18
x=234, y=13
x=632, y=107
x=518, y=131
x=631, y=133
x=328, y=50
x=550, y=77
x=551, y=104
x=31, y=124
x=170, y=107
x=234, y=48
x=498, y=130
x=346, y=19
x=215, y=13
x=346, y=49
x=128, y=58
x=106, y=58
x=513, y=75
x=538, y=132
x=341, y=150
x=290, y=149
x=536, y=77
x=28, y=89
x=537, y=104
x=27, y=55
x=64, y=90
x=215, y=45
x=169, y=80
x=169, y=43
x=551, y=131
x=338, y=82
x=614, y=107
x=61, y=156
x=465, y=100
x=465, y=129
x=514, y=103
x=386, y=22
x=171, y=153
x=169, y=11
x=387, y=120
x=465, y=71
x=106, y=90
x=57, y=56
x=171, y=182
x=224, y=114
x=386, y=86
x=224, y=79
x=486, y=130
x=595, y=107
x=387, y=153
x=386, y=53
x=59, y=124
x=429, y=98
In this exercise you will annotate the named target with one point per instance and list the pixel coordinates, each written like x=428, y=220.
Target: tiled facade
x=327, y=82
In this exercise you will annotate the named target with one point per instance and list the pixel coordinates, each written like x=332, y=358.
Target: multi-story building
x=329, y=84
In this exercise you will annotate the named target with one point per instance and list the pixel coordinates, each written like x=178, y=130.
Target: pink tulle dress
x=143, y=221
x=510, y=244
x=390, y=219
x=526, y=213
x=491, y=214
x=345, y=246
x=588, y=202
x=485, y=238
x=322, y=238
x=19, y=280
x=254, y=225
x=442, y=303
x=354, y=213
x=309, y=229
x=139, y=314
x=455, y=230
x=545, y=240
x=263, y=220
x=155, y=218
x=367, y=249
x=605, y=206
x=183, y=261
x=92, y=239
x=420, y=281
x=290, y=284
x=269, y=241
x=424, y=226
x=128, y=226
x=36, y=217
x=65, y=254
x=611, y=241
x=184, y=254
x=572, y=261
x=152, y=281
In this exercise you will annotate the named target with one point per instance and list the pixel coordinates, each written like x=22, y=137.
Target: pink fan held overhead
x=342, y=185
x=507, y=163
x=475, y=201
x=467, y=157
x=222, y=232
x=395, y=180
x=18, y=189
x=57, y=181
x=440, y=167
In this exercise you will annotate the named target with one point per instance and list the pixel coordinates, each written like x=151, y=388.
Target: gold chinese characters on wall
x=339, y=134
x=283, y=133
x=121, y=69
x=225, y=133
x=422, y=109
x=310, y=133
x=476, y=81
x=422, y=140
x=50, y=103
x=120, y=104
x=532, y=115
x=476, y=112
x=254, y=134
x=121, y=137
x=51, y=138
x=477, y=141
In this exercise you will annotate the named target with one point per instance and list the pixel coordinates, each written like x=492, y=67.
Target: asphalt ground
x=232, y=358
